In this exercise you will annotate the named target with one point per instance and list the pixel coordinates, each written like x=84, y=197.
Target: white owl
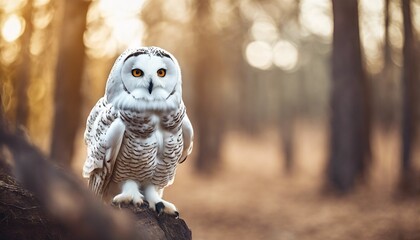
x=139, y=132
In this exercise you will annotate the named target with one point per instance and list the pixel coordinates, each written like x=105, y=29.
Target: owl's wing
x=103, y=144
x=188, y=138
x=100, y=105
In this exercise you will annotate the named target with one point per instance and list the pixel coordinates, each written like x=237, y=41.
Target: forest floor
x=253, y=198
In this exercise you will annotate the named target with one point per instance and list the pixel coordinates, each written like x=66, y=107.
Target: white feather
x=113, y=139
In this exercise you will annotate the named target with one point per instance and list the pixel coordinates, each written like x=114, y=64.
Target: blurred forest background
x=306, y=112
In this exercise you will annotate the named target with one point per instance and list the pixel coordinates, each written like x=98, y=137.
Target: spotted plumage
x=138, y=133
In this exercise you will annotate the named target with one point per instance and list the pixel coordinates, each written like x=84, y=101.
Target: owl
x=139, y=131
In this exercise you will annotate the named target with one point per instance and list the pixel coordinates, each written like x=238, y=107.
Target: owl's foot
x=156, y=203
x=165, y=207
x=130, y=194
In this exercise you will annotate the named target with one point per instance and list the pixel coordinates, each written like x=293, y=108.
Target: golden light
x=42, y=18
x=38, y=3
x=12, y=28
x=37, y=45
x=113, y=27
x=9, y=54
x=259, y=55
x=285, y=55
x=8, y=6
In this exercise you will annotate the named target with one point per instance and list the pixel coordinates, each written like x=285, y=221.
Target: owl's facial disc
x=150, y=78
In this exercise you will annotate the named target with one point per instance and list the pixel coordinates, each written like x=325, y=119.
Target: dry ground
x=252, y=197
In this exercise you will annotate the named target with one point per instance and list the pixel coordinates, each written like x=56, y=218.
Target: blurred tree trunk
x=208, y=76
x=349, y=147
x=68, y=79
x=387, y=45
x=239, y=73
x=288, y=110
x=410, y=98
x=23, y=70
x=287, y=136
x=386, y=90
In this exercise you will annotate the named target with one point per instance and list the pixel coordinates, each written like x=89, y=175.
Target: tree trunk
x=287, y=136
x=208, y=77
x=68, y=80
x=387, y=88
x=410, y=87
x=349, y=149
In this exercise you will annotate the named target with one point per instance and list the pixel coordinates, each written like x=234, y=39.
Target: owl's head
x=147, y=78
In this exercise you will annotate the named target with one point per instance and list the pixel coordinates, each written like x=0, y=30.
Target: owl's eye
x=161, y=72
x=137, y=72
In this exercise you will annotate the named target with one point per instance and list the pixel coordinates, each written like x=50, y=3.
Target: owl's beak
x=150, y=87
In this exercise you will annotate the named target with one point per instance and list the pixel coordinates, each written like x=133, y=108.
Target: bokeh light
x=259, y=55
x=12, y=28
x=371, y=33
x=113, y=27
x=264, y=30
x=316, y=17
x=285, y=55
x=9, y=55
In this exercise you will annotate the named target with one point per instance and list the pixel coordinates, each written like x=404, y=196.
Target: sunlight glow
x=259, y=55
x=113, y=27
x=38, y=3
x=12, y=28
x=316, y=17
x=396, y=28
x=264, y=30
x=37, y=46
x=112, y=8
x=416, y=14
x=8, y=55
x=222, y=9
x=285, y=55
x=9, y=6
x=42, y=18
x=372, y=32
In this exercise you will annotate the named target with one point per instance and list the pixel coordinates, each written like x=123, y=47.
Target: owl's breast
x=151, y=147
x=137, y=157
x=140, y=124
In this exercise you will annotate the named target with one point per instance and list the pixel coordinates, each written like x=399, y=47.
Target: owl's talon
x=115, y=203
x=160, y=207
